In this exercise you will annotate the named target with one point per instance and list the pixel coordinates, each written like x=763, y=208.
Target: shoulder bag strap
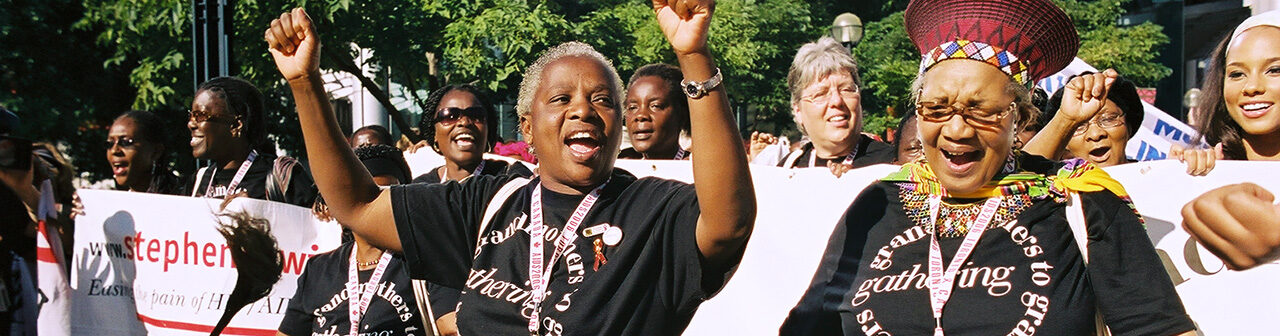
x=279, y=177
x=199, y=180
x=1079, y=231
x=424, y=307
x=420, y=285
x=497, y=201
x=790, y=161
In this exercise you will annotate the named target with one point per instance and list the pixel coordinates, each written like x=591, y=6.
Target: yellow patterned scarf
x=1075, y=176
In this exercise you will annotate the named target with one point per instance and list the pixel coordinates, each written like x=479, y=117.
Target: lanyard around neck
x=235, y=181
x=942, y=282
x=680, y=154
x=358, y=298
x=848, y=159
x=539, y=276
x=444, y=171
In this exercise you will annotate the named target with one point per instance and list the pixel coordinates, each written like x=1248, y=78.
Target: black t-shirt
x=1025, y=276
x=632, y=154
x=491, y=167
x=301, y=190
x=652, y=283
x=870, y=152
x=321, y=304
x=444, y=299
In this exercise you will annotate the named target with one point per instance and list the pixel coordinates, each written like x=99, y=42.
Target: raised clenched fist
x=685, y=23
x=1086, y=95
x=1239, y=223
x=294, y=44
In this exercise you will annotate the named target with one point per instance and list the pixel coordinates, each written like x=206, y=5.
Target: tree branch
x=348, y=65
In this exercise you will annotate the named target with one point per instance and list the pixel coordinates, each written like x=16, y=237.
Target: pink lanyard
x=940, y=283
x=235, y=181
x=358, y=299
x=680, y=154
x=539, y=276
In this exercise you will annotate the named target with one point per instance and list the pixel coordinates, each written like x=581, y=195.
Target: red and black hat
x=1027, y=39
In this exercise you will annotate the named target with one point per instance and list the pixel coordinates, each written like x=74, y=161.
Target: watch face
x=692, y=90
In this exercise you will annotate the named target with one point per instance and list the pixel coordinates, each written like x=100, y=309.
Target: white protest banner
x=1220, y=301
x=1159, y=129
x=54, y=318
x=154, y=264
x=798, y=208
x=796, y=211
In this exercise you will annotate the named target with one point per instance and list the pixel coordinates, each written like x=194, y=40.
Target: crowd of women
x=996, y=181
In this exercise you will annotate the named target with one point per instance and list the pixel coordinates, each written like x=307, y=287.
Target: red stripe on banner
x=204, y=328
x=45, y=254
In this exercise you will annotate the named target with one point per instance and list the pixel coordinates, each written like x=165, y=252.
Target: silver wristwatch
x=697, y=90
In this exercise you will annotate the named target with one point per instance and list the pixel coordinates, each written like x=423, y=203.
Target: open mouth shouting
x=464, y=140
x=1255, y=109
x=1100, y=154
x=196, y=140
x=961, y=160
x=119, y=168
x=583, y=145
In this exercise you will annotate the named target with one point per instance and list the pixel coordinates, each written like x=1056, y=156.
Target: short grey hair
x=533, y=75
x=814, y=61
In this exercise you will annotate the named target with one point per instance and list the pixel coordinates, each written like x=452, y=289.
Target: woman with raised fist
x=582, y=249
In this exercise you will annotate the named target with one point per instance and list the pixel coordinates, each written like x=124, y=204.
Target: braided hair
x=427, y=124
x=246, y=103
x=384, y=160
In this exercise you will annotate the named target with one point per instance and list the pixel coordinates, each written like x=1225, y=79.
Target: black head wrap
x=1123, y=92
x=384, y=160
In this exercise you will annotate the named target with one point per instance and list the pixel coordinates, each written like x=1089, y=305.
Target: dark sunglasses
x=451, y=115
x=122, y=142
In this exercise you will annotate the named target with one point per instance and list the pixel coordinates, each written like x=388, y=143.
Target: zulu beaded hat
x=1026, y=39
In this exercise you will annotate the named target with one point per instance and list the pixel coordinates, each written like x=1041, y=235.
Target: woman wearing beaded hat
x=976, y=229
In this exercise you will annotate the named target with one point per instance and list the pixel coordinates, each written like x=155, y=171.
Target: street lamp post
x=847, y=28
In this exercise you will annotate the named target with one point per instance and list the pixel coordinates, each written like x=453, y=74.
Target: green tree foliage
x=1131, y=50
x=53, y=77
x=488, y=42
x=492, y=42
x=888, y=63
x=151, y=41
x=113, y=55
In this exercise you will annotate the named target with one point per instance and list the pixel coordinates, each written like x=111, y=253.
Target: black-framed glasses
x=450, y=115
x=202, y=116
x=932, y=111
x=126, y=143
x=1105, y=121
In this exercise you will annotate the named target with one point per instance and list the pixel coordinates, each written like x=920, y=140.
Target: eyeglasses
x=1110, y=120
x=202, y=116
x=126, y=143
x=450, y=115
x=849, y=92
x=938, y=112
